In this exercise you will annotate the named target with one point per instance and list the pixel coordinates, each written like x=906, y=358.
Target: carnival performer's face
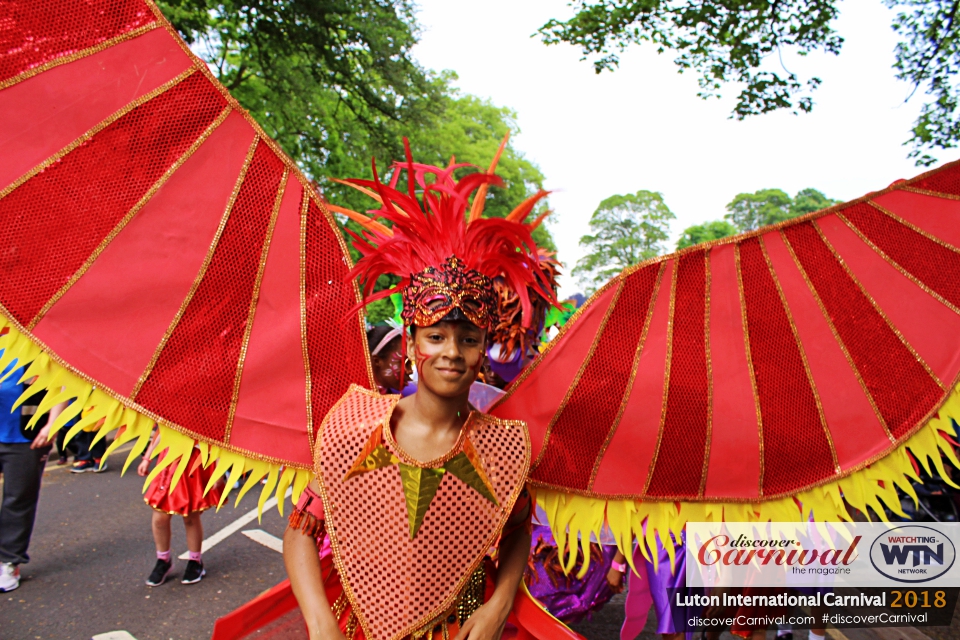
x=448, y=356
x=389, y=369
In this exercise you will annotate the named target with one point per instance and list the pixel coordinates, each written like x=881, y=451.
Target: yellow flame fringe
x=572, y=517
x=106, y=414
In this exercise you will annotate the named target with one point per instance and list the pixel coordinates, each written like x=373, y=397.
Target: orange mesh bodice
x=396, y=584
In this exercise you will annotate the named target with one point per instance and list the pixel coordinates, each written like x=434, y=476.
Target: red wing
x=158, y=244
x=757, y=366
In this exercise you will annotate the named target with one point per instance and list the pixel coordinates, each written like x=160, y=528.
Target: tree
x=748, y=211
x=734, y=41
x=751, y=210
x=334, y=82
x=810, y=200
x=624, y=231
x=705, y=232
x=328, y=79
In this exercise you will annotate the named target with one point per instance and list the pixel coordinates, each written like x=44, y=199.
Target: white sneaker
x=9, y=577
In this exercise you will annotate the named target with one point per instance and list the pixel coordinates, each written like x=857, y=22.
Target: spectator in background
x=23, y=454
x=88, y=455
x=389, y=367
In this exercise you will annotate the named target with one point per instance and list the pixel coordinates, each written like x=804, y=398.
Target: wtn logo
x=913, y=553
x=925, y=554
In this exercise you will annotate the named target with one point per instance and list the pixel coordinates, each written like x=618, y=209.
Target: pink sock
x=195, y=555
x=164, y=555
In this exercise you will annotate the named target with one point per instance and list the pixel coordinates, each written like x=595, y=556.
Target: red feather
x=427, y=231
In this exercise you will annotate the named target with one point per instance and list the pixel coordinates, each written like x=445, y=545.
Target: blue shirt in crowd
x=10, y=390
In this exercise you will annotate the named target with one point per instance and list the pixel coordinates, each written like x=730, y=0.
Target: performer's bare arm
x=303, y=568
x=488, y=621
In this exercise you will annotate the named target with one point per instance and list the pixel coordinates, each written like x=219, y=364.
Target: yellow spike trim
x=100, y=412
x=573, y=518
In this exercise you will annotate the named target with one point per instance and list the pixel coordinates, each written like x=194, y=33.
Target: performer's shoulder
x=362, y=405
x=488, y=421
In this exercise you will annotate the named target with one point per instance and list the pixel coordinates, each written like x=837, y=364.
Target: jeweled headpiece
x=444, y=251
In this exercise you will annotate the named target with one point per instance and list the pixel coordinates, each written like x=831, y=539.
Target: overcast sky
x=643, y=127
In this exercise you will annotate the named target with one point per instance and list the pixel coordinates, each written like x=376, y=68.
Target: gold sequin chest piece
x=402, y=574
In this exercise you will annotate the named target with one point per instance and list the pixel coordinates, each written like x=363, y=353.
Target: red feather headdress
x=445, y=257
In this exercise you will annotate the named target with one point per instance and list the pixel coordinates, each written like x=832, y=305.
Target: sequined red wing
x=157, y=243
x=759, y=365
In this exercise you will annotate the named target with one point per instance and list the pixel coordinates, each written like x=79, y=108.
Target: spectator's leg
x=97, y=450
x=65, y=450
x=194, y=531
x=22, y=469
x=161, y=530
x=82, y=441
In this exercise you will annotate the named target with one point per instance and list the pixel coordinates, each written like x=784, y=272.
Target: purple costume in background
x=658, y=587
x=568, y=598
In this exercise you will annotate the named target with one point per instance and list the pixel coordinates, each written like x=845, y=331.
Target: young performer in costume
x=201, y=285
x=439, y=481
x=188, y=499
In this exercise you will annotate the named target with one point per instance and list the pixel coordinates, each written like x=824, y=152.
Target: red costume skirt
x=276, y=615
x=188, y=496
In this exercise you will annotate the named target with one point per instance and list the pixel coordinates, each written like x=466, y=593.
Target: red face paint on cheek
x=421, y=359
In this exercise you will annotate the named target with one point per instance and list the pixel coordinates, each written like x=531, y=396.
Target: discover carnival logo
x=912, y=553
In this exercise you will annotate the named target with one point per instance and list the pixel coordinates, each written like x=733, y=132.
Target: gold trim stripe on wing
x=579, y=374
x=926, y=234
x=97, y=128
x=77, y=55
x=633, y=374
x=803, y=356
x=666, y=376
x=335, y=230
x=305, y=352
x=707, y=354
x=934, y=194
x=129, y=216
x=201, y=273
x=893, y=263
x=876, y=306
x=254, y=299
x=836, y=336
x=753, y=377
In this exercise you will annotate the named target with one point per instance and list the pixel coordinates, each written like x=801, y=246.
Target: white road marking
x=114, y=635
x=266, y=539
x=234, y=526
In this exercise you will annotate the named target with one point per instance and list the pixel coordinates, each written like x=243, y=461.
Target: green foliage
x=330, y=80
x=810, y=200
x=748, y=211
x=705, y=232
x=751, y=210
x=721, y=40
x=928, y=56
x=625, y=230
x=728, y=41
x=334, y=82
